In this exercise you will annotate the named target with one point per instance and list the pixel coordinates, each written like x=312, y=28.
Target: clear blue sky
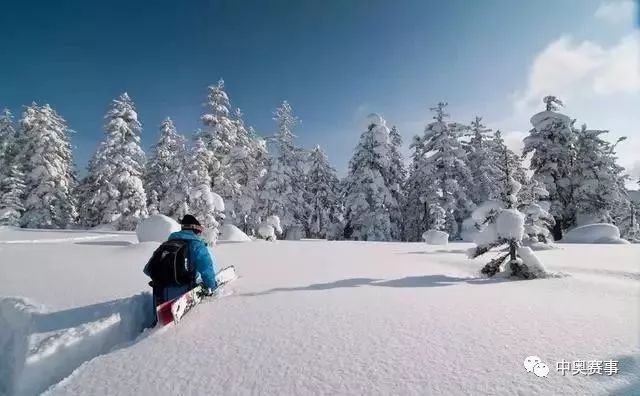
x=335, y=61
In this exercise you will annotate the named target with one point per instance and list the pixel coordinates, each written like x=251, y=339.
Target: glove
x=207, y=291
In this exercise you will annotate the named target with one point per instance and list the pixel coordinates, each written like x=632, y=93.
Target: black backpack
x=170, y=265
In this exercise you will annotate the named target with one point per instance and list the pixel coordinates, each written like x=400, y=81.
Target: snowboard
x=173, y=310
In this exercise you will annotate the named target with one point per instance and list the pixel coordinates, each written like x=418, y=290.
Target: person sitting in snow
x=181, y=263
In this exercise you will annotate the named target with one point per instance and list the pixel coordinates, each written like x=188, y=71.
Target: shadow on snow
x=42, y=348
x=406, y=282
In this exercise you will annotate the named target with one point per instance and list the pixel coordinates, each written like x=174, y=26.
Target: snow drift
x=231, y=233
x=594, y=233
x=156, y=228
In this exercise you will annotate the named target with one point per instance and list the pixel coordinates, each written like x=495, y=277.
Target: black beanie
x=189, y=222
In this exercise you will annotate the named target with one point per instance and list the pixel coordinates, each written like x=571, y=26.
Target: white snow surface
x=435, y=237
x=156, y=228
x=601, y=233
x=316, y=317
x=231, y=233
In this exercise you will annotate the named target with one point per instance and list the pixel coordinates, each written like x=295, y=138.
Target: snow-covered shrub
x=269, y=228
x=156, y=228
x=435, y=237
x=594, y=234
x=503, y=225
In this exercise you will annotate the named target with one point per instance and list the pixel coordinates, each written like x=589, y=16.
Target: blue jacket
x=204, y=264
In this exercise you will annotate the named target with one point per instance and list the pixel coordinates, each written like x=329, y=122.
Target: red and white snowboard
x=172, y=311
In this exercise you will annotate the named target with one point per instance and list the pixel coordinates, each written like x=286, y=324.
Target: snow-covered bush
x=156, y=228
x=594, y=234
x=269, y=228
x=435, y=237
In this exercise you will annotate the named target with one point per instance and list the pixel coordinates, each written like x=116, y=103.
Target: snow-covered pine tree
x=246, y=165
x=552, y=142
x=446, y=160
x=419, y=194
x=533, y=202
x=12, y=189
x=8, y=146
x=482, y=163
x=113, y=190
x=504, y=226
x=323, y=195
x=49, y=177
x=12, y=186
x=220, y=137
x=202, y=203
x=599, y=181
x=368, y=195
x=163, y=169
x=499, y=148
x=282, y=192
x=396, y=176
x=175, y=203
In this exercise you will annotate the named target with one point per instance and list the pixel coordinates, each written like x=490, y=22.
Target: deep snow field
x=313, y=317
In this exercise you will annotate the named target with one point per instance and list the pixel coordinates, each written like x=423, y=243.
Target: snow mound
x=232, y=233
x=594, y=233
x=156, y=228
x=435, y=237
x=510, y=224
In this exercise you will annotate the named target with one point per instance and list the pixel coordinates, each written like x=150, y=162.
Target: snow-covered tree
x=599, y=181
x=552, y=141
x=532, y=201
x=12, y=189
x=246, y=164
x=482, y=163
x=323, y=195
x=113, y=190
x=219, y=135
x=164, y=168
x=504, y=225
x=283, y=188
x=396, y=176
x=49, y=177
x=8, y=145
x=419, y=194
x=369, y=196
x=444, y=167
x=202, y=202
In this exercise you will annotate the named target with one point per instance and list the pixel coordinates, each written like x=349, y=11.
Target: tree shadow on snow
x=105, y=243
x=343, y=283
x=409, y=281
x=440, y=251
x=434, y=281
